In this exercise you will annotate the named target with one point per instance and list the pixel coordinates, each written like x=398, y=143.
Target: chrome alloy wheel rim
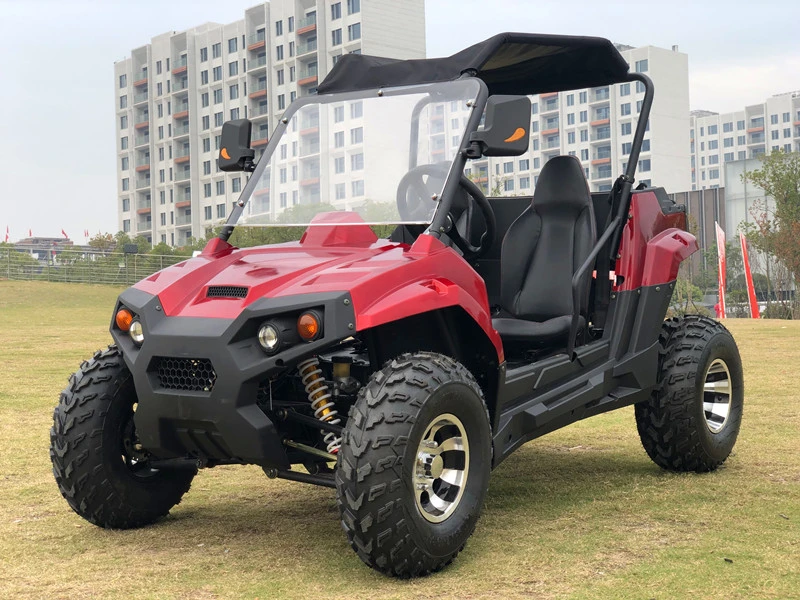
x=441, y=468
x=717, y=395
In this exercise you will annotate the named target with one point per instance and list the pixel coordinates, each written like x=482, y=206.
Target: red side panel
x=653, y=244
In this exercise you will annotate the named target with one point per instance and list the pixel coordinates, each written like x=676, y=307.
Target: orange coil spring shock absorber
x=320, y=397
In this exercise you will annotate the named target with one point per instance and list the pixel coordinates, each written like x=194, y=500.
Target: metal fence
x=79, y=266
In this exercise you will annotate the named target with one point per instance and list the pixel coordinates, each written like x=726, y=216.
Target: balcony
x=143, y=164
x=549, y=106
x=141, y=97
x=140, y=78
x=182, y=220
x=257, y=40
x=141, y=140
x=258, y=90
x=307, y=25
x=259, y=139
x=183, y=175
x=181, y=111
x=144, y=224
x=182, y=156
x=603, y=133
x=601, y=161
x=600, y=122
x=306, y=48
x=180, y=85
x=257, y=63
x=550, y=144
x=307, y=76
x=601, y=173
x=142, y=121
x=601, y=95
x=259, y=111
x=142, y=182
x=179, y=66
x=143, y=207
x=548, y=95
x=180, y=130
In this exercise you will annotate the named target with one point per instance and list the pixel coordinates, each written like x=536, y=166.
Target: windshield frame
x=456, y=167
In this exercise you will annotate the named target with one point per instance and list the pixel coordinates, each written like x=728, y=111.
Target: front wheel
x=414, y=465
x=691, y=421
x=100, y=468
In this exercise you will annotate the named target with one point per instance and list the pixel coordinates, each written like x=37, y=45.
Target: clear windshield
x=380, y=158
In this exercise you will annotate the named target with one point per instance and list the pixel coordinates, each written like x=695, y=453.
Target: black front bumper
x=197, y=379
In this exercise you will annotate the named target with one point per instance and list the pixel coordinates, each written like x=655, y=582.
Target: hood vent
x=226, y=291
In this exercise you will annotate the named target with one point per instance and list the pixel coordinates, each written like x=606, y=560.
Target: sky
x=57, y=151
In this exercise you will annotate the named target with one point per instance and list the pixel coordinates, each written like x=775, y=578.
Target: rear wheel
x=100, y=468
x=691, y=422
x=414, y=465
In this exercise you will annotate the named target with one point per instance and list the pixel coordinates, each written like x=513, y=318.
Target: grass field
x=581, y=513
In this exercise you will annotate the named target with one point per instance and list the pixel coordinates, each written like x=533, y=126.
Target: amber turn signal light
x=124, y=319
x=309, y=326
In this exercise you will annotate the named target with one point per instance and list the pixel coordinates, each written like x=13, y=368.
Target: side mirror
x=507, y=129
x=235, y=153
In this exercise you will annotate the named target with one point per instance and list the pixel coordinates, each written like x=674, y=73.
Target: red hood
x=267, y=272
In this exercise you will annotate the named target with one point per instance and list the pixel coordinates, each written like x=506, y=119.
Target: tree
x=777, y=231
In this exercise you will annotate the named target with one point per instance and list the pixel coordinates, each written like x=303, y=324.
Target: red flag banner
x=30, y=232
x=64, y=233
x=721, y=265
x=748, y=275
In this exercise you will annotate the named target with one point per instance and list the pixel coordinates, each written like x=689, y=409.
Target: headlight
x=137, y=332
x=268, y=337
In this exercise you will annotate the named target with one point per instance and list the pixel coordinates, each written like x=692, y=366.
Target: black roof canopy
x=509, y=63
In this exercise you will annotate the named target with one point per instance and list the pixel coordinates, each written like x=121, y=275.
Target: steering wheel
x=458, y=216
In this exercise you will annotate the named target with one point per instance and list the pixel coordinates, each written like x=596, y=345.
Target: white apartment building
x=597, y=126
x=173, y=94
x=717, y=139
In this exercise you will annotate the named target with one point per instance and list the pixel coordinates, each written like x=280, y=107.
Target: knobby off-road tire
x=418, y=403
x=692, y=419
x=90, y=447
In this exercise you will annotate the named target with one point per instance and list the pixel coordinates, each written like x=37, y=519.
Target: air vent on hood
x=226, y=291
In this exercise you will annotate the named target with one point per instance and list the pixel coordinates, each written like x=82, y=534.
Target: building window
x=641, y=66
x=338, y=165
x=278, y=27
x=713, y=159
x=126, y=204
x=353, y=6
x=524, y=164
x=713, y=173
x=571, y=119
x=625, y=129
x=233, y=68
x=357, y=135
x=727, y=142
x=742, y=139
x=336, y=37
x=203, y=54
x=206, y=213
x=626, y=148
x=123, y=101
x=221, y=187
x=217, y=96
x=712, y=130
x=739, y=125
x=123, y=122
x=357, y=187
x=291, y=48
x=161, y=132
x=216, y=50
x=354, y=32
x=206, y=167
x=645, y=145
x=644, y=164
x=291, y=74
x=584, y=116
x=217, y=73
x=126, y=225
x=639, y=87
x=280, y=76
x=356, y=110
x=206, y=190
x=236, y=184
x=584, y=135
x=638, y=106
x=625, y=109
x=279, y=52
x=126, y=183
x=338, y=139
x=570, y=99
x=727, y=127
x=221, y=207
x=234, y=113
x=571, y=137
x=713, y=144
x=123, y=142
x=233, y=45
x=340, y=193
x=336, y=11
x=525, y=183
x=233, y=91
x=281, y=102
x=206, y=144
x=206, y=124
x=203, y=77
x=582, y=97
x=625, y=89
x=124, y=163
x=357, y=162
x=218, y=119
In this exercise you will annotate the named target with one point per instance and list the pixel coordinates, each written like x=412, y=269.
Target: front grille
x=188, y=374
x=226, y=291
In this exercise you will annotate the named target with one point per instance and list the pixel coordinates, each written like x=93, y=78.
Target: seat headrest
x=562, y=183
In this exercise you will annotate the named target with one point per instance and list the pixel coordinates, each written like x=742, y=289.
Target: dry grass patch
x=580, y=513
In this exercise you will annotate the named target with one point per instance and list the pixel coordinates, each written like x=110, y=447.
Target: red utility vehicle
x=401, y=371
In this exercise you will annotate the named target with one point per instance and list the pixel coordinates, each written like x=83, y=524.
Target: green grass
x=580, y=513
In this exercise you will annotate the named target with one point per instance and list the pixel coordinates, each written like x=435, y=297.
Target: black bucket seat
x=541, y=252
